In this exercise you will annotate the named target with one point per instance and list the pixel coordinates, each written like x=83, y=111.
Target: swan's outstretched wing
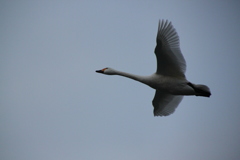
x=165, y=104
x=170, y=61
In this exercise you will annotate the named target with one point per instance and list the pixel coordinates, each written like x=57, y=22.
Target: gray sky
x=54, y=106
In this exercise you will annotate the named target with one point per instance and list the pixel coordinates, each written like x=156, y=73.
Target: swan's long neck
x=142, y=79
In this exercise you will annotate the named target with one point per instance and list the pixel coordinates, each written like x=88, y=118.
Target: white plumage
x=169, y=80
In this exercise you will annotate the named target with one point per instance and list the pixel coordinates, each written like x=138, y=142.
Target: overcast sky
x=53, y=106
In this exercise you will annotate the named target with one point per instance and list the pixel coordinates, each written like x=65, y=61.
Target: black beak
x=99, y=71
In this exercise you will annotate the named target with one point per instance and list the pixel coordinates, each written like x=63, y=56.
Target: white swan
x=169, y=80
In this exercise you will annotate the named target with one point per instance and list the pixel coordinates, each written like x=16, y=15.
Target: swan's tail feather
x=201, y=90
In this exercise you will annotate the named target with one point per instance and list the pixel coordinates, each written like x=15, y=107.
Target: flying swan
x=169, y=81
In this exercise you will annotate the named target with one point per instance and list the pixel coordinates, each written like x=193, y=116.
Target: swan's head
x=108, y=71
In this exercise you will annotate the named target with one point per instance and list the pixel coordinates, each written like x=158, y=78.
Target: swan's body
x=169, y=80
